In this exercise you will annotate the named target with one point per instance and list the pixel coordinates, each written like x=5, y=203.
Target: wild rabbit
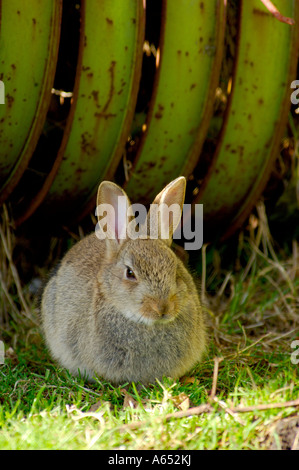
x=125, y=308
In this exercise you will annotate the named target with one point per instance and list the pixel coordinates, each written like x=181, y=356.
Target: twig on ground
x=197, y=410
x=229, y=411
x=206, y=408
x=265, y=406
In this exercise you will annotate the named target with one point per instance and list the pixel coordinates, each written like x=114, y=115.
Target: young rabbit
x=121, y=308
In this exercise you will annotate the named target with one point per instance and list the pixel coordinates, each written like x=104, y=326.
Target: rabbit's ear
x=113, y=210
x=165, y=213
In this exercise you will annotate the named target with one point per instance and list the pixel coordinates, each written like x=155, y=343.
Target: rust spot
x=34, y=21
x=256, y=11
x=171, y=105
x=10, y=100
x=84, y=68
x=186, y=53
x=111, y=90
x=261, y=101
x=146, y=167
x=249, y=117
x=202, y=6
x=159, y=113
x=13, y=66
x=134, y=20
x=18, y=12
x=105, y=115
x=241, y=150
x=109, y=21
x=90, y=75
x=86, y=144
x=179, y=52
x=192, y=86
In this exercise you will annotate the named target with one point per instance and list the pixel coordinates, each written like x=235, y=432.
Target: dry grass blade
x=217, y=361
x=8, y=296
x=276, y=265
x=273, y=10
x=204, y=274
x=7, y=255
x=15, y=275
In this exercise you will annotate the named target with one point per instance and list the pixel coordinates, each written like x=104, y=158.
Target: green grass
x=43, y=407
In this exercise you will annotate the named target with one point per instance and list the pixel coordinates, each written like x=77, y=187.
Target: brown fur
x=97, y=321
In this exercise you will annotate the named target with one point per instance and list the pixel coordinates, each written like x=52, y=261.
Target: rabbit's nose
x=164, y=308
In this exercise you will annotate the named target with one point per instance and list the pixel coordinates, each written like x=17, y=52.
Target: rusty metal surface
x=42, y=193
x=256, y=115
x=106, y=94
x=191, y=49
x=29, y=40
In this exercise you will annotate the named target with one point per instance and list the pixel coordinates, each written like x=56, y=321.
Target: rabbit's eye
x=130, y=273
